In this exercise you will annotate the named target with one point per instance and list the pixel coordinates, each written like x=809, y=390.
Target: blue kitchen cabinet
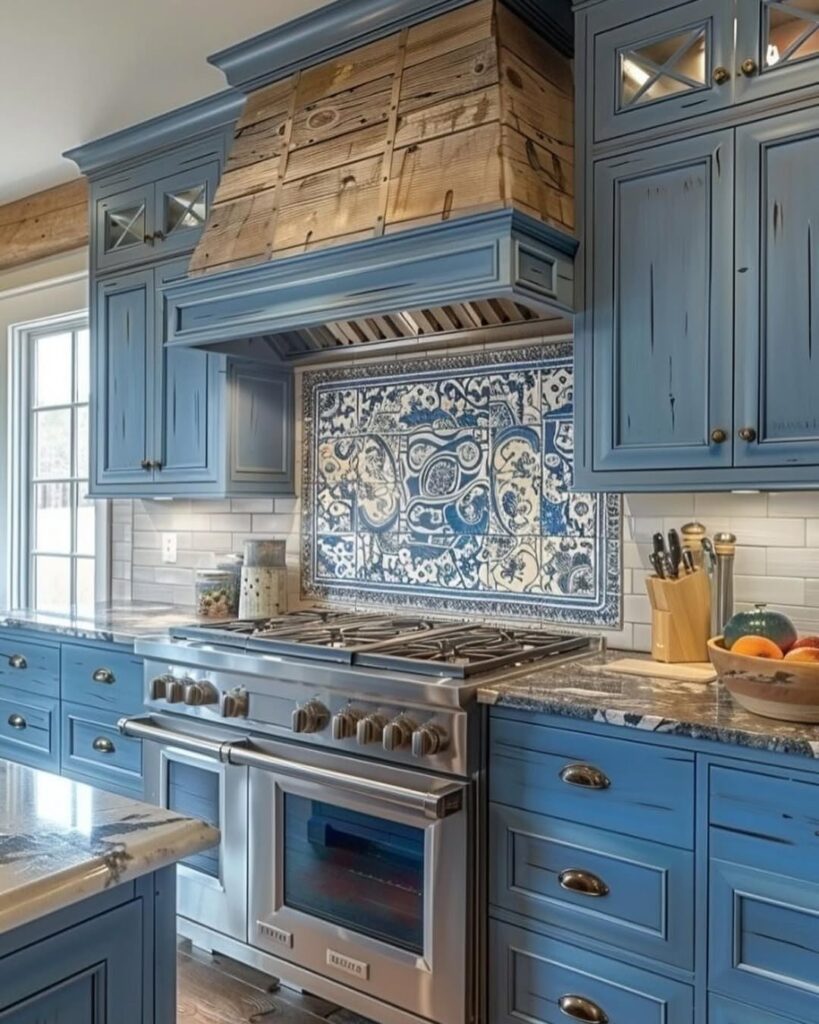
x=777, y=48
x=777, y=291
x=663, y=220
x=592, y=917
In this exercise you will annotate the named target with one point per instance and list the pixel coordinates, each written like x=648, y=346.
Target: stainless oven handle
x=440, y=804
x=147, y=729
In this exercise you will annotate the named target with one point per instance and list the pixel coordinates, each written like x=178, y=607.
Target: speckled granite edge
x=113, y=624
x=588, y=691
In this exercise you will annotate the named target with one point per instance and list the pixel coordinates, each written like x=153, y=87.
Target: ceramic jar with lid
x=264, y=579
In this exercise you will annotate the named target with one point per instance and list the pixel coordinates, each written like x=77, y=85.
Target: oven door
x=184, y=773
x=361, y=873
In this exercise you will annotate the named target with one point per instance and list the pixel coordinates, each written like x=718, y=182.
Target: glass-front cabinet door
x=661, y=67
x=182, y=203
x=124, y=227
x=777, y=46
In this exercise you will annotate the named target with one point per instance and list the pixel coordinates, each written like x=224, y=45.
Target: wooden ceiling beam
x=44, y=224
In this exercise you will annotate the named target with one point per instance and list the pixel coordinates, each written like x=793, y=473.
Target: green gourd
x=761, y=622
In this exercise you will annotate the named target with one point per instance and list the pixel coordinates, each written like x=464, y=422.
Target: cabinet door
x=123, y=321
x=182, y=203
x=777, y=291
x=662, y=309
x=777, y=47
x=186, y=428
x=655, y=69
x=261, y=428
x=124, y=227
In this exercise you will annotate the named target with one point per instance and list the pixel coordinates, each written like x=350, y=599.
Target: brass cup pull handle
x=17, y=661
x=748, y=67
x=719, y=436
x=583, y=882
x=103, y=675
x=721, y=75
x=102, y=745
x=17, y=722
x=582, y=1009
x=747, y=434
x=585, y=776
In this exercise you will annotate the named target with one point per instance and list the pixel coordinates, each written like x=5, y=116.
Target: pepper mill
x=722, y=603
x=692, y=534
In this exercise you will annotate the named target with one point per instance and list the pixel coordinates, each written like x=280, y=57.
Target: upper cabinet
x=656, y=68
x=165, y=418
x=697, y=352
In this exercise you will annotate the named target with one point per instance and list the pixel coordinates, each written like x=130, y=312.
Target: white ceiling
x=73, y=70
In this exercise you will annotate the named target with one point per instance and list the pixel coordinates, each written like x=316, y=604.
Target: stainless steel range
x=341, y=756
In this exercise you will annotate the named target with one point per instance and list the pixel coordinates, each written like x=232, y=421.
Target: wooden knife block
x=680, y=617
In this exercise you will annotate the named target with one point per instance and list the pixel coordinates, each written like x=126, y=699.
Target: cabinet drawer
x=726, y=1011
x=93, y=747
x=628, y=892
x=765, y=821
x=29, y=666
x=645, y=791
x=764, y=941
x=28, y=729
x=530, y=975
x=102, y=678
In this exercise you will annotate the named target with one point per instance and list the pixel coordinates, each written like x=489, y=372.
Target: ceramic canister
x=264, y=580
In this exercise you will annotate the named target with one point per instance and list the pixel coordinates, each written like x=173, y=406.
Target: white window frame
x=21, y=350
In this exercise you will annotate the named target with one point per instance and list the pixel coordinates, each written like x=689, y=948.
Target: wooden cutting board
x=689, y=672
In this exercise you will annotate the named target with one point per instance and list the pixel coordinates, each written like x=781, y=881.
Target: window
x=59, y=536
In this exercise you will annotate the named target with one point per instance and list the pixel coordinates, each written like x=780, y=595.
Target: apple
x=806, y=641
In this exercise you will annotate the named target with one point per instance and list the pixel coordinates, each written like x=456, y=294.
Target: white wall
x=36, y=290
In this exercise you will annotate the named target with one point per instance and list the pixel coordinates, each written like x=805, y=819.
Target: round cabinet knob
x=398, y=733
x=17, y=722
x=721, y=75
x=234, y=704
x=719, y=436
x=370, y=730
x=748, y=67
x=747, y=434
x=344, y=724
x=203, y=692
x=310, y=717
x=428, y=740
x=174, y=691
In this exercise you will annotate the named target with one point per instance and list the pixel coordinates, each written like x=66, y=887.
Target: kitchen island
x=87, y=902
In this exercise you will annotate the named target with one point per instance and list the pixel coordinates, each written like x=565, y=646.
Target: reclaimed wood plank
x=271, y=101
x=452, y=31
x=342, y=151
x=515, y=35
x=348, y=111
x=452, y=74
x=44, y=224
x=366, y=64
x=451, y=115
x=531, y=102
x=237, y=231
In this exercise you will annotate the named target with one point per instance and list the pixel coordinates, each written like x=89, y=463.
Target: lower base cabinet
x=29, y=729
x=727, y=1011
x=94, y=750
x=536, y=978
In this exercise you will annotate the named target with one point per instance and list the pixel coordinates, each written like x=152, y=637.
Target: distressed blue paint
x=447, y=485
x=118, y=769
x=454, y=261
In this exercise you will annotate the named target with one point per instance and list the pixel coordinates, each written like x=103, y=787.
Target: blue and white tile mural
x=443, y=483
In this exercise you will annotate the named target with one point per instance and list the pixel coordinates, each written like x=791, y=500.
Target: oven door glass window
x=194, y=792
x=356, y=871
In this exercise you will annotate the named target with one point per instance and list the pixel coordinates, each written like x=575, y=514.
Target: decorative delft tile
x=446, y=485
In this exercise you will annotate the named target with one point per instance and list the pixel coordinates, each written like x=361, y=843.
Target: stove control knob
x=203, y=692
x=345, y=723
x=310, y=717
x=398, y=733
x=234, y=704
x=159, y=686
x=174, y=691
x=429, y=739
x=370, y=730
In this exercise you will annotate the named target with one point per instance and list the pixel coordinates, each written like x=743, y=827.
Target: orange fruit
x=803, y=654
x=757, y=647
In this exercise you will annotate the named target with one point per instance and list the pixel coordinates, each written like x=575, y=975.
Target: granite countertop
x=111, y=623
x=587, y=689
x=62, y=841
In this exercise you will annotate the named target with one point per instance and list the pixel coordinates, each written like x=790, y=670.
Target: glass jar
x=214, y=588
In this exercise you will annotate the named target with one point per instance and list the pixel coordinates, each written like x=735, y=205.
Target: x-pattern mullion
x=666, y=70
x=804, y=36
x=187, y=209
x=120, y=221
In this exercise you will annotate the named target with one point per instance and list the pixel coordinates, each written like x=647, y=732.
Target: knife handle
x=656, y=564
x=688, y=560
x=674, y=549
x=658, y=543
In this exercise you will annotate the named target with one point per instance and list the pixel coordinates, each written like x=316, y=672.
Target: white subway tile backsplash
x=232, y=522
x=773, y=590
x=720, y=507
x=659, y=505
x=794, y=503
x=263, y=505
x=275, y=524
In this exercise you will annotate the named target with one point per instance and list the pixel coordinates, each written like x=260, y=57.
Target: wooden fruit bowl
x=788, y=690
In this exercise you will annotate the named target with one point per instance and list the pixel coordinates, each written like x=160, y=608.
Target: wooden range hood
x=418, y=186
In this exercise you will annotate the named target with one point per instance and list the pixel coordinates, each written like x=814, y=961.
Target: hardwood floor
x=211, y=989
